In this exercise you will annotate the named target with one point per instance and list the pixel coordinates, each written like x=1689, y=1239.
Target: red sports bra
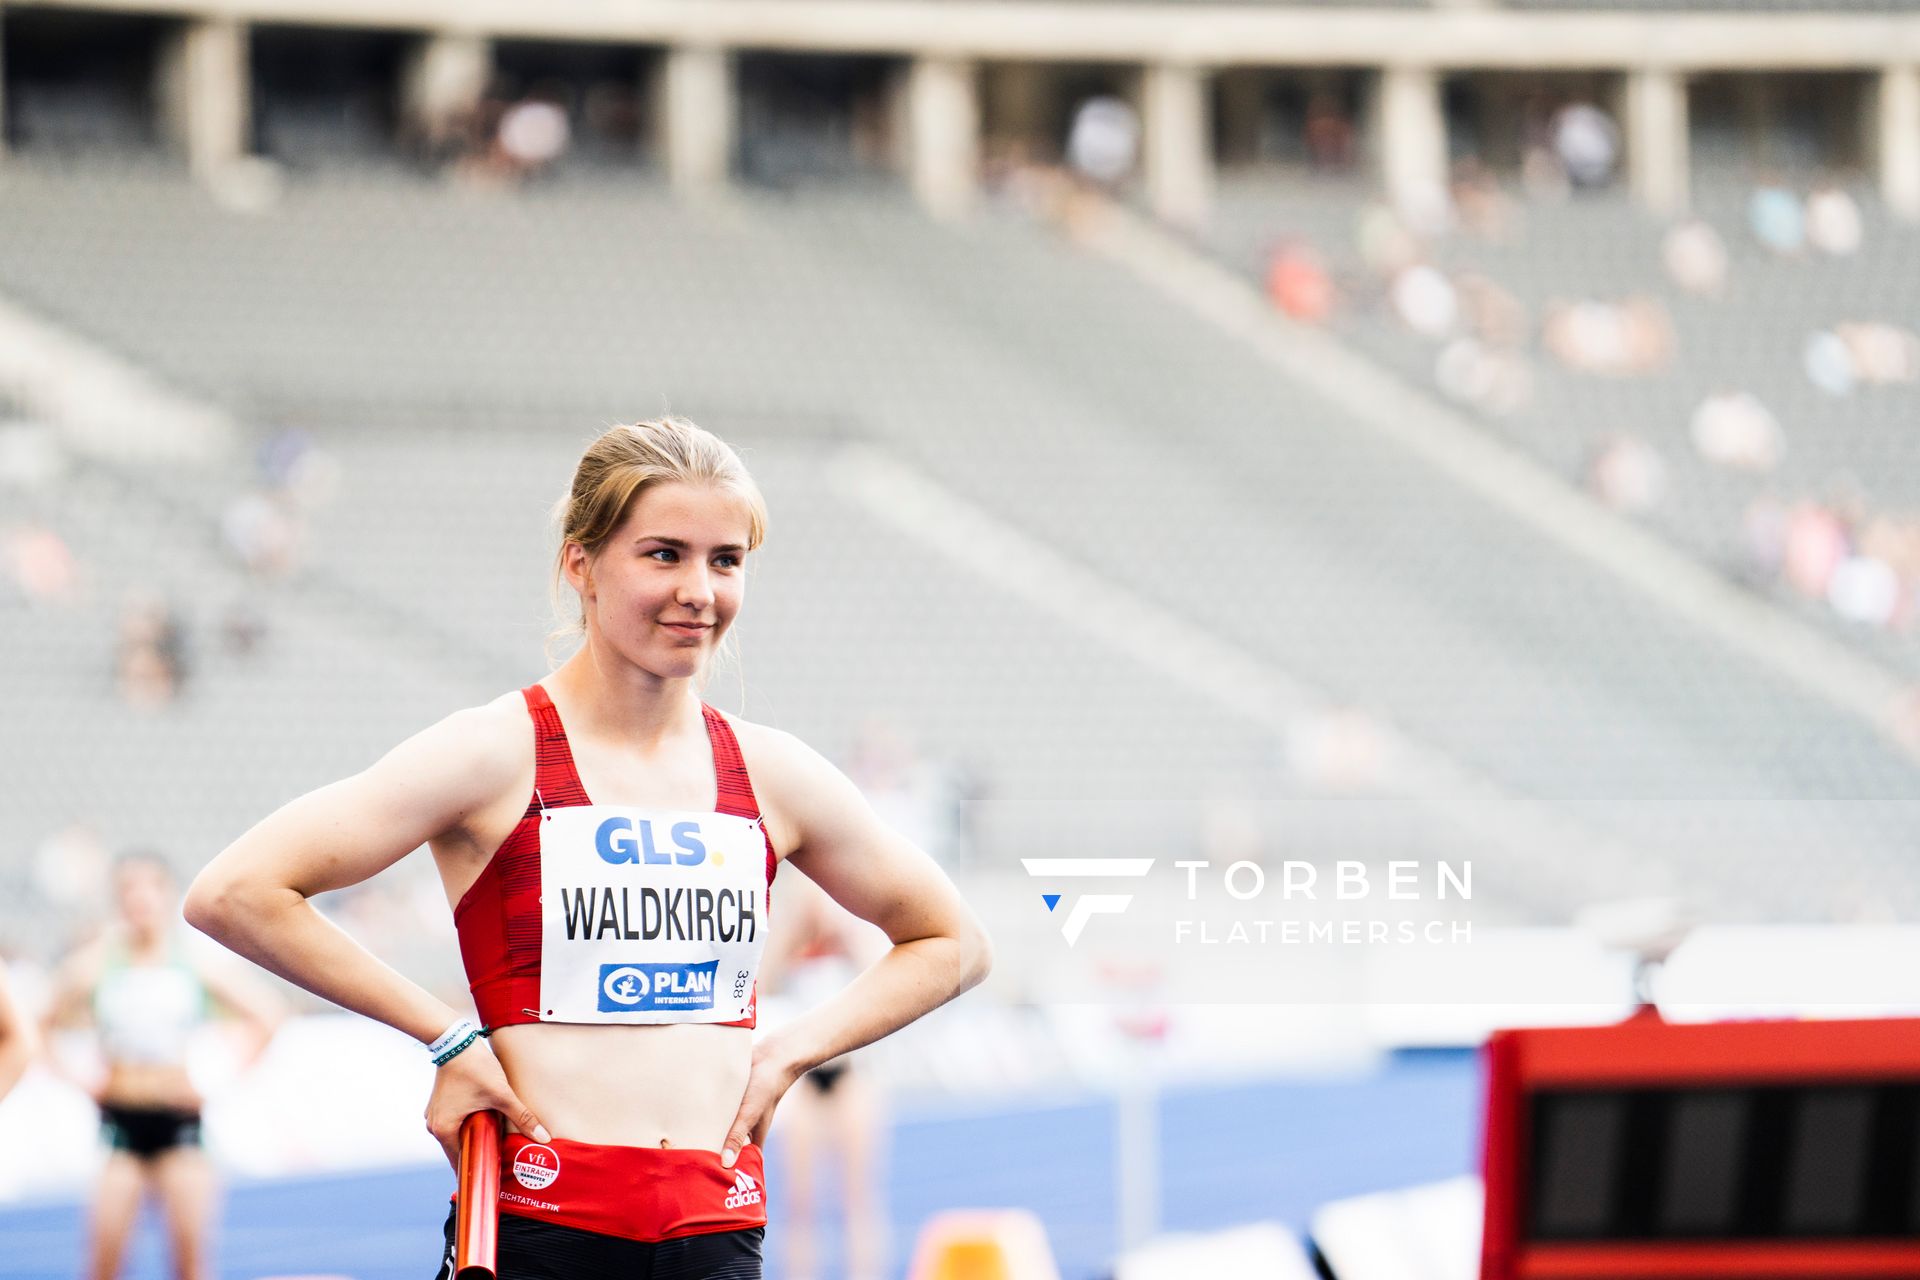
x=498, y=919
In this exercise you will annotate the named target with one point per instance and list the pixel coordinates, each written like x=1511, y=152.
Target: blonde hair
x=616, y=469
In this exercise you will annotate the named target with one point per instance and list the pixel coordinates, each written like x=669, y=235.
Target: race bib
x=649, y=915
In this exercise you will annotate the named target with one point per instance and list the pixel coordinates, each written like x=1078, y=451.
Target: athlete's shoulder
x=779, y=762
x=764, y=744
x=486, y=745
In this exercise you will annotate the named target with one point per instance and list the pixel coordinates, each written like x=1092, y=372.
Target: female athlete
x=607, y=842
x=146, y=995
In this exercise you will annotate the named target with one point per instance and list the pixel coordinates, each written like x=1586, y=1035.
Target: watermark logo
x=1088, y=905
x=1333, y=910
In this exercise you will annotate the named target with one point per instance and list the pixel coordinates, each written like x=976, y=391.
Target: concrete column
x=698, y=117
x=1897, y=144
x=1413, y=138
x=442, y=83
x=1657, y=145
x=1179, y=142
x=943, y=120
x=205, y=93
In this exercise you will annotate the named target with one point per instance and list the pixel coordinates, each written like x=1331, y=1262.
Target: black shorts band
x=825, y=1076
x=147, y=1132
x=535, y=1250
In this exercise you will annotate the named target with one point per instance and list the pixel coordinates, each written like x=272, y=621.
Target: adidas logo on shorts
x=745, y=1191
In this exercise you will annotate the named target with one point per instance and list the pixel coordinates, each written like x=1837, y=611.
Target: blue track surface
x=1229, y=1155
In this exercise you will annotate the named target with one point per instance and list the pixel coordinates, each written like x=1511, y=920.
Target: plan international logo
x=1089, y=905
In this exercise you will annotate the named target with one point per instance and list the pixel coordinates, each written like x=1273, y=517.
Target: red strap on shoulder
x=556, y=783
x=729, y=767
x=736, y=798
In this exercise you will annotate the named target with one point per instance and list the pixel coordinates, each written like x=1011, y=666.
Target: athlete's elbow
x=217, y=903
x=976, y=957
x=208, y=905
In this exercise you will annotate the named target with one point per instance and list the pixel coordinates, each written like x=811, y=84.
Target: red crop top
x=498, y=919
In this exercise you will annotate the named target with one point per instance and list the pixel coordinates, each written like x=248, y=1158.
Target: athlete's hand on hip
x=772, y=1074
x=474, y=1081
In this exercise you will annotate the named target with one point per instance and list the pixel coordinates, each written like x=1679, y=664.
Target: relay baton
x=476, y=1228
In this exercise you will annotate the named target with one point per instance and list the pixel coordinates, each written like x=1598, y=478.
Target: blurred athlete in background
x=145, y=995
x=837, y=1111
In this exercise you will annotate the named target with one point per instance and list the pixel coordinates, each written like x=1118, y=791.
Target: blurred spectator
x=1481, y=206
x=1879, y=353
x=1541, y=174
x=280, y=455
x=70, y=866
x=1627, y=338
x=1897, y=543
x=1650, y=339
x=1733, y=429
x=1425, y=300
x=1814, y=546
x=1828, y=363
x=1696, y=260
x=613, y=113
x=39, y=564
x=534, y=133
x=1491, y=312
x=1864, y=589
x=1777, y=219
x=292, y=463
x=1627, y=474
x=1298, y=283
x=1494, y=380
x=1587, y=143
x=1104, y=141
x=1385, y=244
x=263, y=530
x=1328, y=134
x=1833, y=221
x=152, y=657
x=242, y=627
x=1869, y=579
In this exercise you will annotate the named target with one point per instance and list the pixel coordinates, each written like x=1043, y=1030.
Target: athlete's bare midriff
x=630, y=1086
x=162, y=1085
x=641, y=1086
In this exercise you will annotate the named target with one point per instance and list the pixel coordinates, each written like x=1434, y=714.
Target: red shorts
x=636, y=1193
